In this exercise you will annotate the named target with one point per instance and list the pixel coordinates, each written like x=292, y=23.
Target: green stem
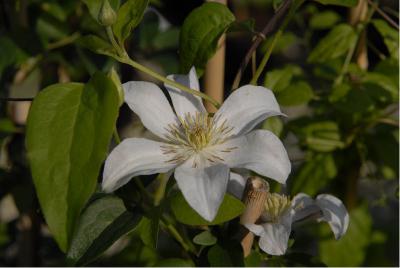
x=110, y=34
x=278, y=34
x=116, y=136
x=160, y=191
x=150, y=72
x=175, y=233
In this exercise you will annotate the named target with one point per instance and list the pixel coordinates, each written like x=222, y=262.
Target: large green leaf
x=129, y=16
x=296, y=94
x=94, y=6
x=226, y=255
x=279, y=79
x=314, y=174
x=346, y=3
x=390, y=36
x=97, y=45
x=69, y=129
x=200, y=33
x=335, y=44
x=101, y=224
x=322, y=136
x=229, y=209
x=350, y=250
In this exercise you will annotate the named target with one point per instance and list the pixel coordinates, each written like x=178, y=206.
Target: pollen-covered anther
x=276, y=205
x=196, y=134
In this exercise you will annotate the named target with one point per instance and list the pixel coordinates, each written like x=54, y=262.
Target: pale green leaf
x=129, y=16
x=97, y=45
x=205, y=239
x=229, y=209
x=295, y=94
x=324, y=20
x=335, y=44
x=200, y=33
x=69, y=128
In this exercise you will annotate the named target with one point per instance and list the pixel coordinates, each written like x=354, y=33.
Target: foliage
x=341, y=130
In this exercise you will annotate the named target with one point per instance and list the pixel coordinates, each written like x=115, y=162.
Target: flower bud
x=107, y=16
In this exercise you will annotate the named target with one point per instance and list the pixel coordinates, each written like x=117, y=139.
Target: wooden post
x=214, y=74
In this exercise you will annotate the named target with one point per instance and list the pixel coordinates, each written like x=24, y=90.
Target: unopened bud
x=107, y=16
x=117, y=82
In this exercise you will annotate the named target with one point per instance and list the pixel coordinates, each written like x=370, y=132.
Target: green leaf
x=242, y=26
x=174, y=262
x=68, y=133
x=205, y=239
x=129, y=16
x=97, y=45
x=102, y=223
x=324, y=20
x=200, y=33
x=382, y=81
x=339, y=91
x=229, y=209
x=335, y=44
x=254, y=259
x=346, y=3
x=148, y=230
x=15, y=55
x=296, y=94
x=273, y=124
x=323, y=136
x=390, y=36
x=228, y=255
x=314, y=174
x=350, y=250
x=94, y=6
x=279, y=79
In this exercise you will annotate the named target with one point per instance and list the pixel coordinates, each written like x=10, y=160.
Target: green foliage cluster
x=341, y=127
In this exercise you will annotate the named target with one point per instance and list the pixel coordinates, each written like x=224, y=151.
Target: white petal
x=236, y=185
x=185, y=102
x=150, y=104
x=246, y=107
x=255, y=228
x=133, y=157
x=260, y=151
x=275, y=238
x=334, y=212
x=203, y=188
x=303, y=206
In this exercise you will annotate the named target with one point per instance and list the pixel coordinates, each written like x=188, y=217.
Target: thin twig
x=384, y=15
x=16, y=99
x=268, y=29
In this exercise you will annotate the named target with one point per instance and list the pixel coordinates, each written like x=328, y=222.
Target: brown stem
x=359, y=14
x=254, y=197
x=271, y=26
x=383, y=14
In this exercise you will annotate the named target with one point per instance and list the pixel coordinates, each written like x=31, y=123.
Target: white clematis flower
x=280, y=213
x=200, y=148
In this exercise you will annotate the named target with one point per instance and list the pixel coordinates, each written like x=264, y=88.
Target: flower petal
x=203, y=187
x=275, y=238
x=133, y=157
x=246, y=107
x=150, y=104
x=255, y=228
x=334, y=212
x=236, y=185
x=260, y=151
x=185, y=102
x=303, y=206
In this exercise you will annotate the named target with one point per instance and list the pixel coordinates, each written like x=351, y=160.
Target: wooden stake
x=255, y=194
x=215, y=73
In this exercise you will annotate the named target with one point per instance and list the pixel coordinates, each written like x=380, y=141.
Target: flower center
x=196, y=134
x=276, y=205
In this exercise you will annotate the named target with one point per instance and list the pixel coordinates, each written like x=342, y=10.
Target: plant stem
x=116, y=136
x=110, y=34
x=160, y=191
x=175, y=233
x=278, y=34
x=152, y=73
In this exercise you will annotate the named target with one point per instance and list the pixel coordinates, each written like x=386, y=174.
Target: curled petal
x=150, y=104
x=133, y=157
x=334, y=212
x=260, y=151
x=303, y=206
x=246, y=107
x=203, y=187
x=236, y=185
x=185, y=102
